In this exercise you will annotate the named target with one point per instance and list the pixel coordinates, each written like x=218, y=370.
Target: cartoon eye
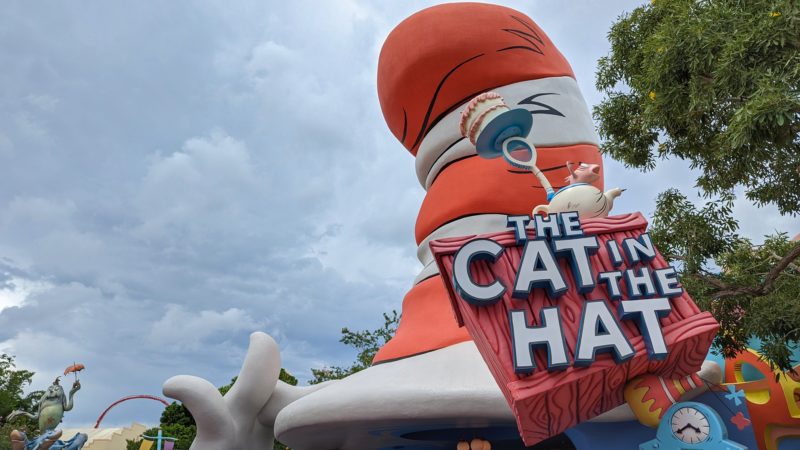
x=584, y=166
x=546, y=109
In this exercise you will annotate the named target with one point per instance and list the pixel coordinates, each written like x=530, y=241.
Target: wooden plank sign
x=565, y=313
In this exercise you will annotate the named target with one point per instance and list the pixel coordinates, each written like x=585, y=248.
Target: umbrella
x=75, y=368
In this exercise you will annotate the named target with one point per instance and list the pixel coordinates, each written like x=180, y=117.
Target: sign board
x=565, y=313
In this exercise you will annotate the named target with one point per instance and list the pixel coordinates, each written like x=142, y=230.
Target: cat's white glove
x=244, y=418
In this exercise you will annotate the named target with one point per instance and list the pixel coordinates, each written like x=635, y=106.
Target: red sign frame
x=547, y=403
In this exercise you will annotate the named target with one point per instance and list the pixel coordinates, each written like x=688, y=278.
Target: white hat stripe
x=560, y=118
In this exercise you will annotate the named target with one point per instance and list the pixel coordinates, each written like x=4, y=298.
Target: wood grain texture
x=547, y=403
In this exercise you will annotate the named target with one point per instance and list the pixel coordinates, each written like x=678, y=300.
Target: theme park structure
x=536, y=312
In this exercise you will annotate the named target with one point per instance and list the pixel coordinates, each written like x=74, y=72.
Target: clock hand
x=688, y=425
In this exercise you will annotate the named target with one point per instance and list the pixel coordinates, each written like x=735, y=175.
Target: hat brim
x=424, y=401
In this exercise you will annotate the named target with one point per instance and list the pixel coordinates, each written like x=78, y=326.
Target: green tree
x=367, y=343
x=716, y=83
x=177, y=421
x=752, y=290
x=12, y=385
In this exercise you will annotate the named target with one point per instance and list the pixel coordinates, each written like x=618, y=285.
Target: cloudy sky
x=175, y=175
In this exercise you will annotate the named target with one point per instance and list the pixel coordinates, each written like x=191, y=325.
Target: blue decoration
x=550, y=195
x=627, y=435
x=506, y=133
x=735, y=396
x=75, y=443
x=160, y=439
x=691, y=426
x=513, y=123
x=609, y=435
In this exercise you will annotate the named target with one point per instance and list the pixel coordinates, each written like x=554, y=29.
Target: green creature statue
x=50, y=412
x=52, y=405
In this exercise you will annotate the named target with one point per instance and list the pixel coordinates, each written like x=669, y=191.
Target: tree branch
x=792, y=266
x=728, y=290
x=780, y=267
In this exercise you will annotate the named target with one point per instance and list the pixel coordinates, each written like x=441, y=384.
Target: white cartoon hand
x=244, y=418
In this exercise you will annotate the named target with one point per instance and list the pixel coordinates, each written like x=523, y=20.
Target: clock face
x=690, y=425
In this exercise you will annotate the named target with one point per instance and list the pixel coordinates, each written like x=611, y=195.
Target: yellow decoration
x=652, y=95
x=678, y=386
x=642, y=409
x=146, y=445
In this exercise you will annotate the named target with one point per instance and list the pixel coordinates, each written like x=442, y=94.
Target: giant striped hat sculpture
x=431, y=66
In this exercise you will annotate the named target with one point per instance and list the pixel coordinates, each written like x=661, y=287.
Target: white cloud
x=42, y=102
x=6, y=146
x=180, y=329
x=31, y=128
x=37, y=350
x=202, y=179
x=757, y=222
x=267, y=64
x=15, y=291
x=37, y=214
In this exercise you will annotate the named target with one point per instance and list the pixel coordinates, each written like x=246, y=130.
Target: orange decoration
x=774, y=405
